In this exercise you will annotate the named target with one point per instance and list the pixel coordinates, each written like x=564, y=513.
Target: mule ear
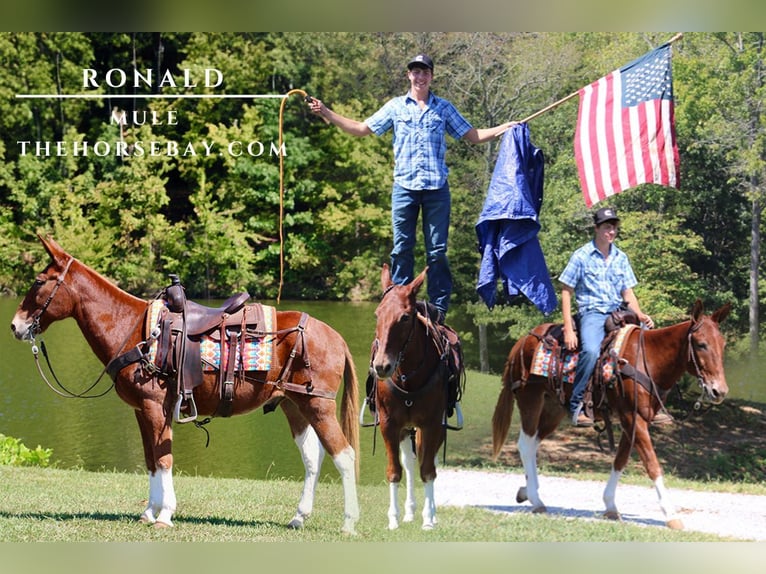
x=417, y=283
x=52, y=248
x=697, y=310
x=385, y=277
x=722, y=313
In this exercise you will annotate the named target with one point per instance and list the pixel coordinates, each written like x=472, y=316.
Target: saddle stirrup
x=192, y=409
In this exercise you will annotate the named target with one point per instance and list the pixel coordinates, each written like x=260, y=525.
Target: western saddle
x=172, y=349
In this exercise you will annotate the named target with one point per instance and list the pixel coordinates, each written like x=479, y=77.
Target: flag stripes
x=625, y=133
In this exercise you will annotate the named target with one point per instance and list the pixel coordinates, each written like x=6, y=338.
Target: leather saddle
x=229, y=324
x=178, y=333
x=553, y=340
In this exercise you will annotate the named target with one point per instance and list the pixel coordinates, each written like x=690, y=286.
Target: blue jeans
x=435, y=205
x=591, y=335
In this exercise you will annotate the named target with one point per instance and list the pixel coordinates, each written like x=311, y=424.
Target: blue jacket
x=508, y=226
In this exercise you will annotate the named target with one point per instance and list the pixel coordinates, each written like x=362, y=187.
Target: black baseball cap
x=421, y=60
x=605, y=214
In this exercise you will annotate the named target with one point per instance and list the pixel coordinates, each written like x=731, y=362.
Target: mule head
x=396, y=317
x=41, y=306
x=706, y=352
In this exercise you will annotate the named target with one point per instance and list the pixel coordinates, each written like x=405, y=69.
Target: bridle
x=35, y=329
x=400, y=355
x=692, y=356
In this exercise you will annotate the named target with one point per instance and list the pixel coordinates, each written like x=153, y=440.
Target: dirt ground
x=723, y=442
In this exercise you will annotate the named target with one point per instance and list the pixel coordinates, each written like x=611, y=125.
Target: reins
x=653, y=389
x=66, y=393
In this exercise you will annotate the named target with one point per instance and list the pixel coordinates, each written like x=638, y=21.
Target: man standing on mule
x=419, y=120
x=599, y=276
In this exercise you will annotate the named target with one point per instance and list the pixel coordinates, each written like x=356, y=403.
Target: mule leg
x=404, y=459
x=157, y=438
x=429, y=506
x=320, y=413
x=643, y=444
x=672, y=520
x=535, y=419
x=345, y=462
x=393, y=441
x=429, y=441
x=621, y=458
x=528, y=452
x=312, y=455
x=648, y=456
x=407, y=454
x=609, y=495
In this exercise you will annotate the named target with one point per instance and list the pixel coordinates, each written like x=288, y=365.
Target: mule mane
x=100, y=284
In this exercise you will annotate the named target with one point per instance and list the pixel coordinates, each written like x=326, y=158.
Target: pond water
x=102, y=433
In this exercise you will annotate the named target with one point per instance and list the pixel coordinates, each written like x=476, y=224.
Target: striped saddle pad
x=255, y=354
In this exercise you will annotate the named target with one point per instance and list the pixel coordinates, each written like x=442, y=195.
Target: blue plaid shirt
x=598, y=283
x=419, y=142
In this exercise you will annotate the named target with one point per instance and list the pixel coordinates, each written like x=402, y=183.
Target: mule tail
x=501, y=418
x=349, y=407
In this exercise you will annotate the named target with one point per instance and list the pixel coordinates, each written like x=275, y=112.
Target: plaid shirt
x=598, y=283
x=419, y=142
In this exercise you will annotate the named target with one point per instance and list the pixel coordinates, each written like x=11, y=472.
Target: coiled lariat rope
x=282, y=189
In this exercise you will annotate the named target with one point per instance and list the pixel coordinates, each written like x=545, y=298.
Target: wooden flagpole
x=570, y=96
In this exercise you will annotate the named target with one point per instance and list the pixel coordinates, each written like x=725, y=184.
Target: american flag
x=625, y=132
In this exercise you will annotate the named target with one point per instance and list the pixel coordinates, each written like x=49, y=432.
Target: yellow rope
x=282, y=192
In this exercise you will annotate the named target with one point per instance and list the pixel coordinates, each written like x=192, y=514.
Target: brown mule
x=112, y=322
x=412, y=393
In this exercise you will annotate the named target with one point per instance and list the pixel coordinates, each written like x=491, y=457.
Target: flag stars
x=647, y=80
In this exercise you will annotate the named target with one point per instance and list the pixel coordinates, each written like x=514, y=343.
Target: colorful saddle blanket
x=545, y=361
x=258, y=352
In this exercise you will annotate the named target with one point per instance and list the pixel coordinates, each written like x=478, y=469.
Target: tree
x=727, y=82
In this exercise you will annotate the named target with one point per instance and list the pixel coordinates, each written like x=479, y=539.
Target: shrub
x=14, y=453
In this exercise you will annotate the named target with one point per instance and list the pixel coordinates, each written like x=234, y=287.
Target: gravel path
x=740, y=516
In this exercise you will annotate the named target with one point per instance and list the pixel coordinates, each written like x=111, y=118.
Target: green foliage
x=14, y=453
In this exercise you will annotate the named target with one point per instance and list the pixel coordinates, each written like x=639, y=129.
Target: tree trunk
x=483, y=350
x=755, y=258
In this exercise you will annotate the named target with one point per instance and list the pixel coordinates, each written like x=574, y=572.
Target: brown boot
x=662, y=418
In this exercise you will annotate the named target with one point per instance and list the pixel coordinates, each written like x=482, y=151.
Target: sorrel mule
x=659, y=356
x=411, y=393
x=112, y=322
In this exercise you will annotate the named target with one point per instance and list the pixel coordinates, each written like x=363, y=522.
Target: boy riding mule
x=638, y=368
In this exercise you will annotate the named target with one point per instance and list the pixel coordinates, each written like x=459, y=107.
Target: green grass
x=59, y=505
x=55, y=505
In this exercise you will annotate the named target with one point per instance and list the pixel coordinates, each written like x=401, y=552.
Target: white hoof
x=349, y=527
